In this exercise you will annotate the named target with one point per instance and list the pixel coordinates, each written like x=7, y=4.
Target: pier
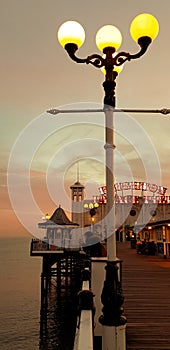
x=60, y=283
x=146, y=286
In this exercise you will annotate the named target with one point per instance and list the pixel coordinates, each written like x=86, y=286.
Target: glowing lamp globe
x=47, y=217
x=96, y=205
x=71, y=32
x=144, y=25
x=117, y=69
x=108, y=36
x=91, y=205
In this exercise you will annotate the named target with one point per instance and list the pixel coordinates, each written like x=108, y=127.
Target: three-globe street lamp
x=144, y=29
x=91, y=207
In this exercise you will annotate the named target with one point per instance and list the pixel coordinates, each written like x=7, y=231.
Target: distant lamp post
x=164, y=241
x=47, y=216
x=91, y=207
x=144, y=29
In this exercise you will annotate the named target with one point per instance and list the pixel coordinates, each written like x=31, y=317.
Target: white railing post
x=84, y=335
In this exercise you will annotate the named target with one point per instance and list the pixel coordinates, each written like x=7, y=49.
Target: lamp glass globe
x=108, y=36
x=144, y=25
x=71, y=32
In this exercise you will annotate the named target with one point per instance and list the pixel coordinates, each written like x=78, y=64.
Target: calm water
x=19, y=295
x=20, y=302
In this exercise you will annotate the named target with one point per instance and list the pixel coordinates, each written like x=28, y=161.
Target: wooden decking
x=146, y=288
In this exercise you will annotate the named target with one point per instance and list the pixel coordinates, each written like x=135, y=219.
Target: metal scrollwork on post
x=108, y=62
x=95, y=60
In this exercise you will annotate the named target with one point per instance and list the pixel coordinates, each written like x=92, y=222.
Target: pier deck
x=146, y=288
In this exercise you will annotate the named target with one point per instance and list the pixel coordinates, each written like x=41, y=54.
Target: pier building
x=140, y=208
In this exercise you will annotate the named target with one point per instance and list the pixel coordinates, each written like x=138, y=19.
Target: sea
x=20, y=291
x=19, y=295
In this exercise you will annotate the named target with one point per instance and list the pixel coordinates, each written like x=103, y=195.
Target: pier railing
x=40, y=247
x=85, y=320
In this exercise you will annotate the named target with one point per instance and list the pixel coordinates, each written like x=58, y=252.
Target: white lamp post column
x=109, y=158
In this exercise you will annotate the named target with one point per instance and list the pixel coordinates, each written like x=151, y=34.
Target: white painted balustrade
x=84, y=334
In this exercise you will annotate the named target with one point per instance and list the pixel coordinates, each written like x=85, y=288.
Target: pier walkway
x=146, y=288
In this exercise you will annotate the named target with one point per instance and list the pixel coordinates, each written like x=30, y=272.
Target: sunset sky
x=39, y=152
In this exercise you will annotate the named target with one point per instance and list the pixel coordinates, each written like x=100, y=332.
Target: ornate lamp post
x=91, y=207
x=144, y=29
